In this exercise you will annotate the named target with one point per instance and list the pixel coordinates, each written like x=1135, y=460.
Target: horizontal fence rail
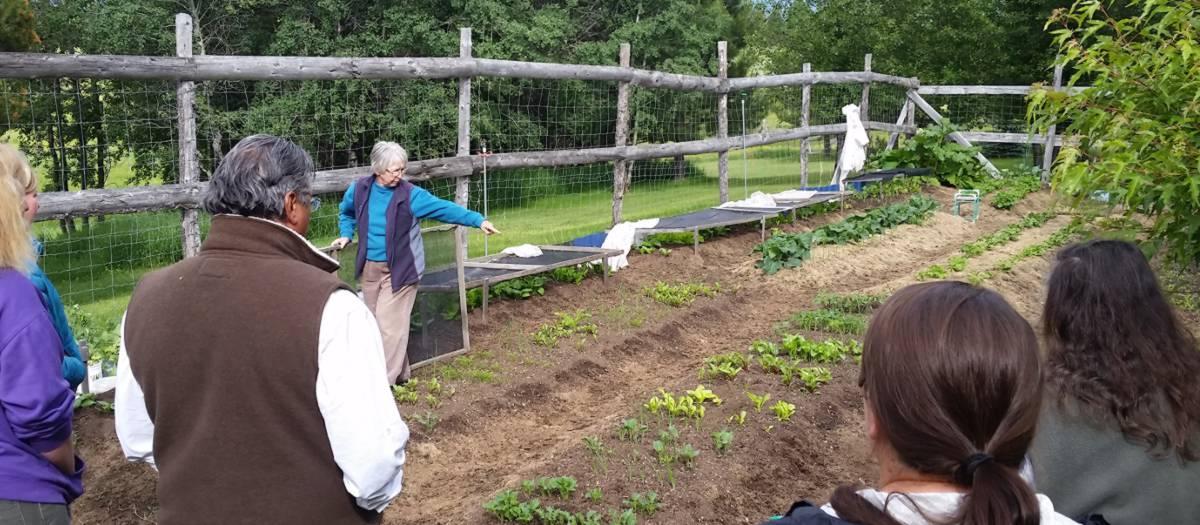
x=56, y=205
x=199, y=68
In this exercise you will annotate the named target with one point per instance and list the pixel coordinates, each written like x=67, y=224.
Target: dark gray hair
x=256, y=174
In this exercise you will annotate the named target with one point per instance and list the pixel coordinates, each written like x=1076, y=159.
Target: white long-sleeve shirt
x=364, y=427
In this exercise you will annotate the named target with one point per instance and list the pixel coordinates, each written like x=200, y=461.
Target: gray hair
x=385, y=153
x=255, y=176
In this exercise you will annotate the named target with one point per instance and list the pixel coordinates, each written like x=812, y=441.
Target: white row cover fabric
x=621, y=238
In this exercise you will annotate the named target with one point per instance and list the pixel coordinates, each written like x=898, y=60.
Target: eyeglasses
x=314, y=204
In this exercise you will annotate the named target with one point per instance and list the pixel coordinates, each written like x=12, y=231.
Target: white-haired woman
x=385, y=211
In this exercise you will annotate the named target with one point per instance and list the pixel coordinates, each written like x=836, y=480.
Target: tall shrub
x=1134, y=132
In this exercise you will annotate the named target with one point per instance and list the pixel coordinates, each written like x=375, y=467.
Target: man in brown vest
x=249, y=375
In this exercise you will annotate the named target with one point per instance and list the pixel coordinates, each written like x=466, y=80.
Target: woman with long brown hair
x=1120, y=431
x=951, y=377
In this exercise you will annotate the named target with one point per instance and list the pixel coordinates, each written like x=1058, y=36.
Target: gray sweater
x=1088, y=467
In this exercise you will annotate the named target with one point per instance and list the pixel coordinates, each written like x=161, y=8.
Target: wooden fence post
x=863, y=112
x=723, y=119
x=463, y=184
x=805, y=108
x=1048, y=150
x=622, y=132
x=185, y=101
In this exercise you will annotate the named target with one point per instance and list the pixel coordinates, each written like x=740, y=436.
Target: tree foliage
x=1137, y=123
x=16, y=26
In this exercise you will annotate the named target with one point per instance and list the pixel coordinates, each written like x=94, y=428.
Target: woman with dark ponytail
x=952, y=383
x=1120, y=429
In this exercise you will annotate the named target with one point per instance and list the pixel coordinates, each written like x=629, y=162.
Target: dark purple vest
x=403, y=233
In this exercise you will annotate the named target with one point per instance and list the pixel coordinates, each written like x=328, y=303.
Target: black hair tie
x=965, y=474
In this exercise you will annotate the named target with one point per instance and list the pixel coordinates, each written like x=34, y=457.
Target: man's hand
x=488, y=228
x=340, y=243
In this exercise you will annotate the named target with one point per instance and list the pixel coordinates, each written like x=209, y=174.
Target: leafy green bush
x=1136, y=125
x=103, y=339
x=951, y=163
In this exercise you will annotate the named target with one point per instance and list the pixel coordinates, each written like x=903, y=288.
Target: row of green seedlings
x=978, y=247
x=524, y=287
x=790, y=250
x=660, y=242
x=508, y=505
x=566, y=324
x=1016, y=186
x=681, y=294
x=1073, y=230
x=668, y=448
x=435, y=393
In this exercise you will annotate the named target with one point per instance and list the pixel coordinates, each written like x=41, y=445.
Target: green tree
x=16, y=26
x=1136, y=124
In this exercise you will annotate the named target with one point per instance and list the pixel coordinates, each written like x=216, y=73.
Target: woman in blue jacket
x=14, y=166
x=385, y=211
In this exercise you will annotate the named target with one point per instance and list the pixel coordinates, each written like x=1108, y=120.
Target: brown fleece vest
x=224, y=345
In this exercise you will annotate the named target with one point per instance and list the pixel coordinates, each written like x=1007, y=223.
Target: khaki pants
x=393, y=311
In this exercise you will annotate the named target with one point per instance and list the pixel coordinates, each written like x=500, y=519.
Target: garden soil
x=530, y=419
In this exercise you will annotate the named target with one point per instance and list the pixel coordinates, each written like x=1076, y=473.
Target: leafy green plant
x=762, y=347
x=814, y=377
x=681, y=294
x=784, y=410
x=566, y=325
x=598, y=451
x=1016, y=187
x=631, y=430
x=687, y=455
x=1134, y=128
x=758, y=401
x=852, y=303
x=103, y=338
x=561, y=486
x=739, y=418
x=1005, y=235
x=405, y=394
x=830, y=321
x=933, y=272
x=827, y=351
x=957, y=263
x=594, y=495
x=726, y=365
x=590, y=517
x=789, y=250
x=571, y=274
x=89, y=400
x=645, y=504
x=429, y=420
x=951, y=163
x=626, y=517
x=507, y=506
x=688, y=405
x=722, y=440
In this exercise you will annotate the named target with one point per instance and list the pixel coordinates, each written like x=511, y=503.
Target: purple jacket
x=37, y=403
